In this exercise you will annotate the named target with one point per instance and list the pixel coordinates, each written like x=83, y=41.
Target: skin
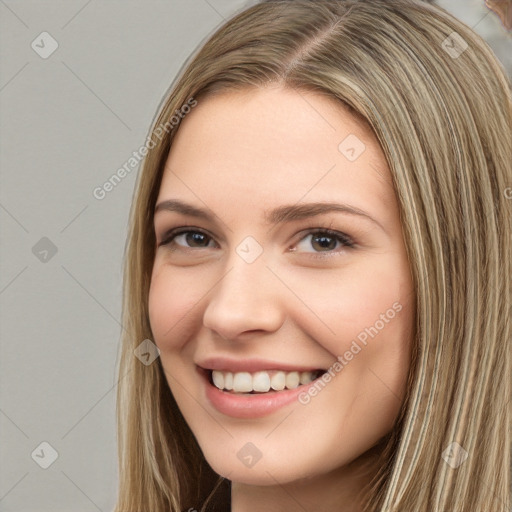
x=301, y=302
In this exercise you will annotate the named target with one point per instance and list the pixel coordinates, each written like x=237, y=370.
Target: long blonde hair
x=440, y=105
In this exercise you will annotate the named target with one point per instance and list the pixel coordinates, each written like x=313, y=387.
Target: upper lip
x=251, y=365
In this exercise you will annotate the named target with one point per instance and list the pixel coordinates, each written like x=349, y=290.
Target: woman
x=319, y=249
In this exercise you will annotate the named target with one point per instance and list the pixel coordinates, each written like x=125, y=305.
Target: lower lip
x=250, y=405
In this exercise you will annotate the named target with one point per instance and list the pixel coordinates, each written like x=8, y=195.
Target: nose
x=248, y=298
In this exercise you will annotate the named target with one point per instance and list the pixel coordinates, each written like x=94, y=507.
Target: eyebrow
x=281, y=214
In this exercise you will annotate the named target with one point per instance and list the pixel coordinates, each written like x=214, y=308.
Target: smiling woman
x=320, y=251
x=324, y=271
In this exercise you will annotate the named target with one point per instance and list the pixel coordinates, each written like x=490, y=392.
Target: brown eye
x=188, y=239
x=195, y=238
x=322, y=240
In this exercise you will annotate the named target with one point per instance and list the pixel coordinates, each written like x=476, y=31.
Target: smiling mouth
x=267, y=381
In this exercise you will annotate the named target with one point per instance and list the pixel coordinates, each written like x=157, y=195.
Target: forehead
x=259, y=148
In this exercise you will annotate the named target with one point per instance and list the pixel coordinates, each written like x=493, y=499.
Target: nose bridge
x=246, y=297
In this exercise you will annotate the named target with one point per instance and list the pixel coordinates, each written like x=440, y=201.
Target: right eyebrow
x=173, y=205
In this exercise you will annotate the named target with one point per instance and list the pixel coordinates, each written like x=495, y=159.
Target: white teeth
x=242, y=382
x=218, y=379
x=262, y=382
x=305, y=378
x=278, y=381
x=292, y=380
x=228, y=381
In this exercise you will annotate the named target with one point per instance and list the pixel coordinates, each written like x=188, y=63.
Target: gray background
x=68, y=122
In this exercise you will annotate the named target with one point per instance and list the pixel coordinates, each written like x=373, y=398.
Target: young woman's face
x=254, y=287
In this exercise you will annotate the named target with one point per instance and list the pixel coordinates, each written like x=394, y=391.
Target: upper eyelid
x=174, y=232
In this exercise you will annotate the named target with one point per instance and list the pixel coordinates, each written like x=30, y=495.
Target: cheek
x=365, y=317
x=172, y=303
x=367, y=303
x=375, y=325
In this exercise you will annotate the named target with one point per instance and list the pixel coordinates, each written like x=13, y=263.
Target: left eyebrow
x=293, y=212
x=279, y=215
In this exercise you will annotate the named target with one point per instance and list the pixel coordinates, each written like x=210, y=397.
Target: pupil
x=325, y=242
x=195, y=237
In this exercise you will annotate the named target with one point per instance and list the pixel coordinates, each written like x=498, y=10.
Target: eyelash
x=344, y=239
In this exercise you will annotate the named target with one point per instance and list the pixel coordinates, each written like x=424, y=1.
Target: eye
x=324, y=240
x=187, y=238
